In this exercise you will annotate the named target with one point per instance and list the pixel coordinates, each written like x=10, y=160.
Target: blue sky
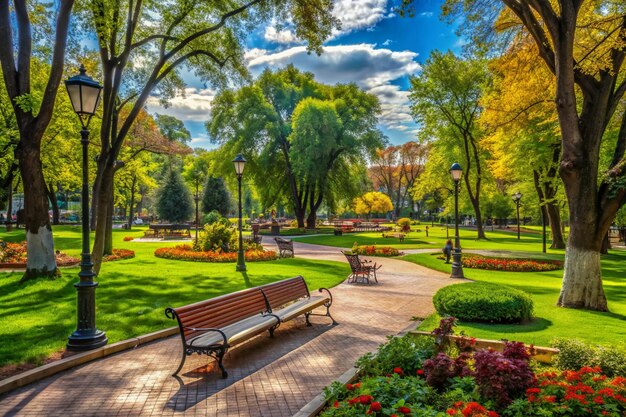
x=375, y=48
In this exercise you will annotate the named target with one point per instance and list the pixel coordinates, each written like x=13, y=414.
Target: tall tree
x=33, y=110
x=174, y=199
x=582, y=44
x=446, y=100
x=206, y=37
x=215, y=196
x=297, y=135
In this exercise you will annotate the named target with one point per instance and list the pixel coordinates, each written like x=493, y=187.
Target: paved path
x=267, y=377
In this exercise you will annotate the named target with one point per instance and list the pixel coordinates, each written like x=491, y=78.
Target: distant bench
x=212, y=326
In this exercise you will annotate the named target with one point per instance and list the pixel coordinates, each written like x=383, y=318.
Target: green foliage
x=481, y=301
x=215, y=196
x=215, y=217
x=407, y=352
x=574, y=354
x=217, y=236
x=174, y=199
x=499, y=206
x=172, y=128
x=404, y=224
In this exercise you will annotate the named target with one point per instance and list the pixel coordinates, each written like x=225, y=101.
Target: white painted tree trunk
x=41, y=256
x=582, y=280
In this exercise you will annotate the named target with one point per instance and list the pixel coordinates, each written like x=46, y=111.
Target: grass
x=437, y=236
x=37, y=317
x=551, y=321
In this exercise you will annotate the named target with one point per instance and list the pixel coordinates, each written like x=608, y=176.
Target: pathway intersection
x=267, y=377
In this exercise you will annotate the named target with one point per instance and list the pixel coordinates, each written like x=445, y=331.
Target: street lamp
x=196, y=197
x=84, y=94
x=240, y=164
x=517, y=197
x=457, y=267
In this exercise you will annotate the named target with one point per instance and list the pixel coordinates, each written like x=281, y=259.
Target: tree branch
x=7, y=59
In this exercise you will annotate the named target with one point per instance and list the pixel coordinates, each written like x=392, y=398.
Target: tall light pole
x=84, y=94
x=240, y=164
x=517, y=197
x=457, y=266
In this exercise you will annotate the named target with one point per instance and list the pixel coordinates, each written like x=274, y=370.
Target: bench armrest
x=328, y=304
x=207, y=329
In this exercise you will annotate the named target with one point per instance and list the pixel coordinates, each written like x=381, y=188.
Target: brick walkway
x=267, y=377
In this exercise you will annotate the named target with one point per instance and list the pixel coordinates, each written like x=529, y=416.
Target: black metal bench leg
x=182, y=362
x=331, y=317
x=306, y=316
x=220, y=357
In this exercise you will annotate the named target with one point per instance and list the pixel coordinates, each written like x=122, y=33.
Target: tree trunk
x=554, y=216
x=40, y=246
x=108, y=241
x=606, y=245
x=101, y=215
x=10, y=202
x=52, y=196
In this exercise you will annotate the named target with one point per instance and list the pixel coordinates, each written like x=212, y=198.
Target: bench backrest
x=354, y=261
x=283, y=243
x=282, y=292
x=221, y=311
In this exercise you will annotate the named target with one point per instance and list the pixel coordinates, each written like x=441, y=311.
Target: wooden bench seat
x=290, y=298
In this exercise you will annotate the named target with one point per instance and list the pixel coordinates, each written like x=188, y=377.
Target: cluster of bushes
x=423, y=376
x=188, y=253
x=574, y=354
x=374, y=250
x=404, y=224
x=485, y=302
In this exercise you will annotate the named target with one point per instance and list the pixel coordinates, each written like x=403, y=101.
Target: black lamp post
x=517, y=197
x=457, y=266
x=84, y=94
x=240, y=164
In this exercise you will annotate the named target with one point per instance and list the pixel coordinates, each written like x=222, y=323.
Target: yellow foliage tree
x=372, y=202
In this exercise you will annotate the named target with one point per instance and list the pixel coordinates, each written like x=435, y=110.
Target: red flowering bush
x=119, y=254
x=586, y=392
x=12, y=252
x=374, y=250
x=502, y=377
x=442, y=368
x=510, y=264
x=187, y=253
x=471, y=409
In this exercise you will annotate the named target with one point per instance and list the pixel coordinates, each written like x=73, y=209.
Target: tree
x=445, y=98
x=172, y=128
x=301, y=138
x=524, y=141
x=206, y=37
x=215, y=196
x=395, y=169
x=372, y=202
x=174, y=199
x=582, y=44
x=33, y=108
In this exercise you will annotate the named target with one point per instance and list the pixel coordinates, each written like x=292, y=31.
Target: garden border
x=52, y=368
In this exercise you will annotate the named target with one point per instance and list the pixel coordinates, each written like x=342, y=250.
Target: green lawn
x=551, y=321
x=496, y=240
x=37, y=317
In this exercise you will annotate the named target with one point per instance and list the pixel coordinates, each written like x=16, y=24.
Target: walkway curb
x=73, y=361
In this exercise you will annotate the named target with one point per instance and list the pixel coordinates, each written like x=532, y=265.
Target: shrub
x=442, y=368
x=187, y=253
x=502, y=377
x=404, y=224
x=482, y=301
x=217, y=236
x=215, y=217
x=575, y=354
x=406, y=352
x=373, y=250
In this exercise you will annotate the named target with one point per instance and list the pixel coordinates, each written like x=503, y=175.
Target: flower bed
x=14, y=255
x=508, y=264
x=429, y=376
x=374, y=250
x=128, y=238
x=187, y=253
x=118, y=255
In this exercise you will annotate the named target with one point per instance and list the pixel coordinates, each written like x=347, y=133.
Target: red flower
x=349, y=387
x=533, y=391
x=451, y=412
x=375, y=406
x=398, y=371
x=549, y=398
x=420, y=372
x=404, y=410
x=365, y=399
x=492, y=414
x=458, y=404
x=598, y=400
x=336, y=404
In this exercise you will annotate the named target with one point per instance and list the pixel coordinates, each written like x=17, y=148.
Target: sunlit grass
x=37, y=317
x=551, y=321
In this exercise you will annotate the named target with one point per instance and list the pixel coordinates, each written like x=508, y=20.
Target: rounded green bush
x=482, y=301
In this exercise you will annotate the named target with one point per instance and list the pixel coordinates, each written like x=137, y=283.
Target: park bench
x=290, y=298
x=398, y=235
x=361, y=268
x=210, y=327
x=284, y=246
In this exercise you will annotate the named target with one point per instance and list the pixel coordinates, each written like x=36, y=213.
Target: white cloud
x=353, y=14
x=427, y=14
x=388, y=42
x=192, y=106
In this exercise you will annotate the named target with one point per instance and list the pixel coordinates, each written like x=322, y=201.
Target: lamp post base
x=241, y=268
x=80, y=341
x=457, y=265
